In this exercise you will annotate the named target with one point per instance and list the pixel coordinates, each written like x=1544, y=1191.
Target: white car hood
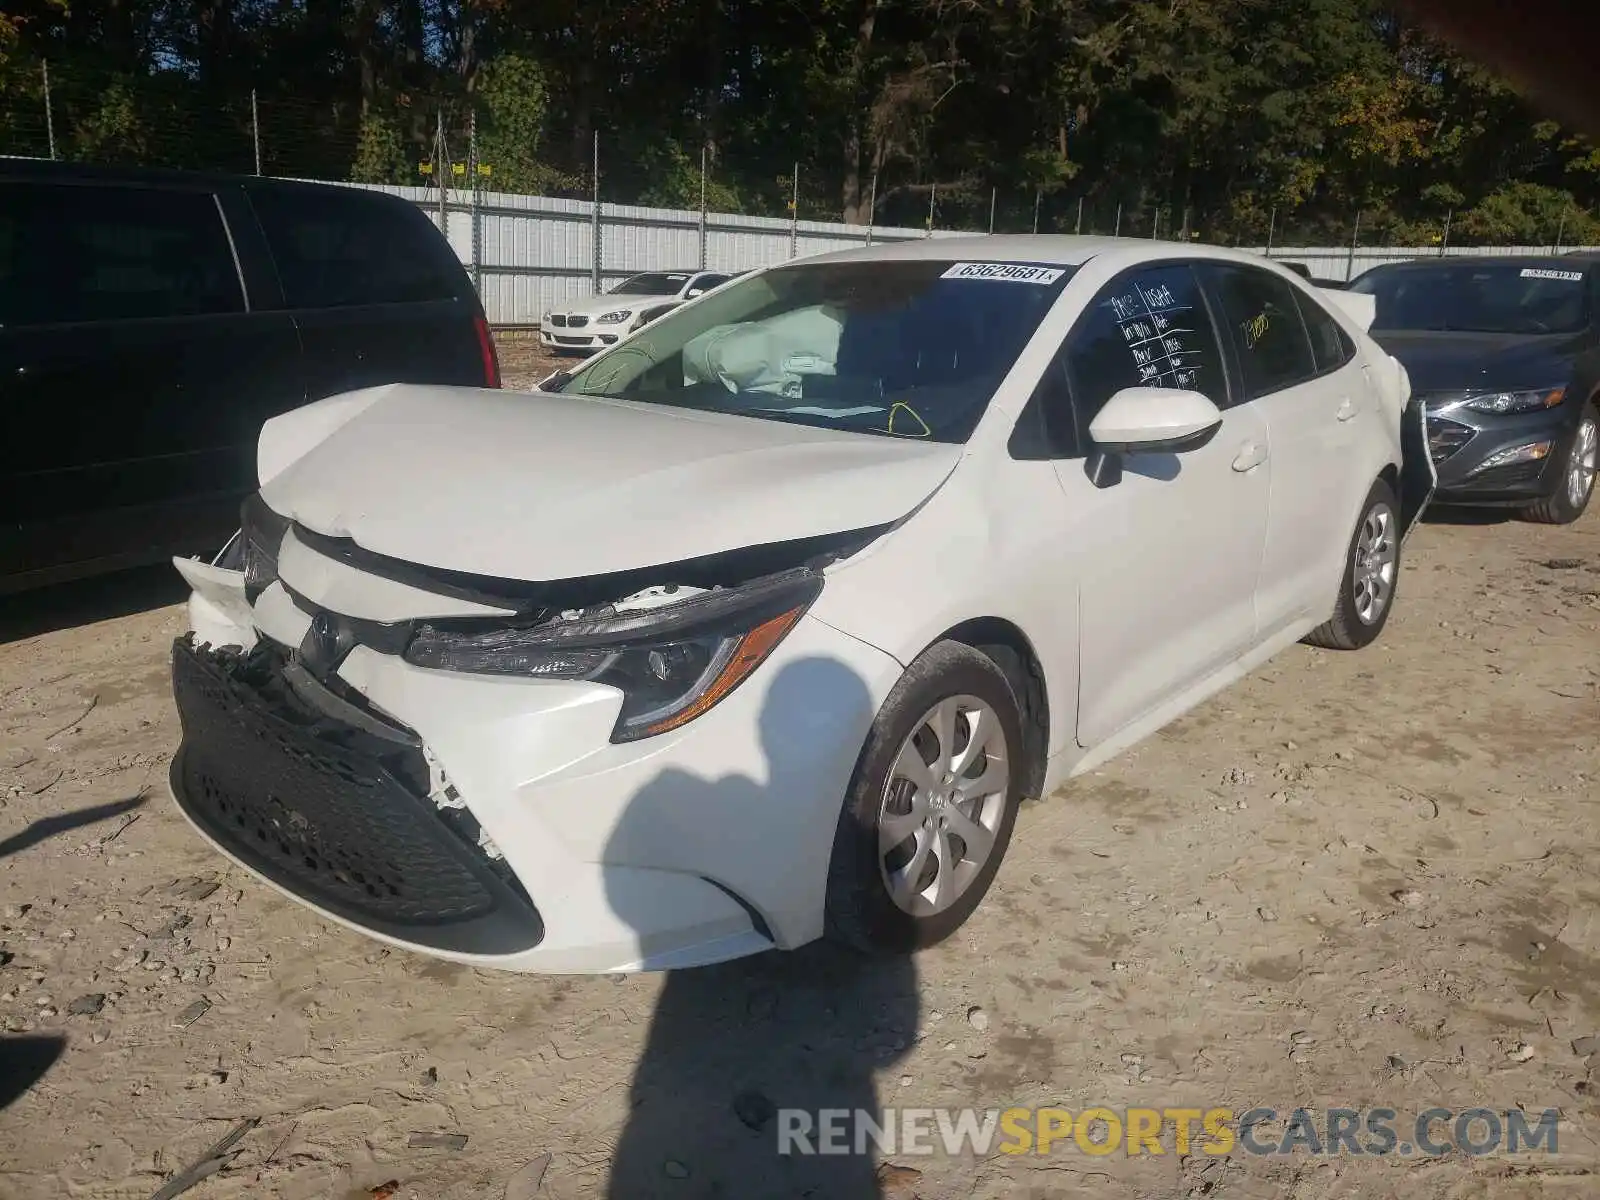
x=593, y=306
x=539, y=486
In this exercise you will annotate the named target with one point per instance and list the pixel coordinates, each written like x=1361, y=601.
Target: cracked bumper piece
x=567, y=853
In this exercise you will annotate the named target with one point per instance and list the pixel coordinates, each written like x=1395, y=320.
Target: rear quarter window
x=340, y=250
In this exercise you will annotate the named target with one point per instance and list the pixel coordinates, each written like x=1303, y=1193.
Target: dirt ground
x=1351, y=880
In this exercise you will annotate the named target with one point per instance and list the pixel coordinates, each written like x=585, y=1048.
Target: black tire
x=1559, y=507
x=1347, y=629
x=860, y=911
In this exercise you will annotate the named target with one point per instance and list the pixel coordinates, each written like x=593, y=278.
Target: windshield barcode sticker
x=1014, y=272
x=1541, y=273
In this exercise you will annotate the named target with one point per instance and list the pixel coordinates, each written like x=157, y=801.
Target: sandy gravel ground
x=1351, y=880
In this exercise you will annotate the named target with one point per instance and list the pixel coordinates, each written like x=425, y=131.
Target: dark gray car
x=1505, y=354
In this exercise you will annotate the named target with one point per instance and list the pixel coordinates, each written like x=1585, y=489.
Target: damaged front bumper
x=491, y=819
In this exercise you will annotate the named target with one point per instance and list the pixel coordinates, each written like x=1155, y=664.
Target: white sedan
x=595, y=322
x=760, y=628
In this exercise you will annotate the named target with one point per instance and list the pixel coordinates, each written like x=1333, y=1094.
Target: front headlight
x=671, y=663
x=615, y=318
x=261, y=531
x=1500, y=403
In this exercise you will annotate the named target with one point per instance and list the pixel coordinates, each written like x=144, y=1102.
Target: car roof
x=1065, y=250
x=44, y=170
x=1553, y=261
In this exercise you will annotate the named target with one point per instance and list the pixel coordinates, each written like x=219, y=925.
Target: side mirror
x=1146, y=420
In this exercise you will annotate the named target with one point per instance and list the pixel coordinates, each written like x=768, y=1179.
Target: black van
x=150, y=321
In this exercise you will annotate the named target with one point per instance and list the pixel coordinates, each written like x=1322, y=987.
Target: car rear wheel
x=1575, y=487
x=1371, y=571
x=931, y=807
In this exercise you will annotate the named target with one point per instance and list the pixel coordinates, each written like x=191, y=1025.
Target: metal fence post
x=993, y=192
x=1038, y=195
x=1078, y=227
x=594, y=236
x=1116, y=230
x=933, y=195
x=794, y=213
x=255, y=129
x=1272, y=227
x=1560, y=230
x=702, y=207
x=1444, y=242
x=441, y=172
x=49, y=111
x=1350, y=261
x=872, y=206
x=477, y=213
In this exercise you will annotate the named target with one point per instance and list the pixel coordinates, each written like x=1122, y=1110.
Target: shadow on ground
x=89, y=601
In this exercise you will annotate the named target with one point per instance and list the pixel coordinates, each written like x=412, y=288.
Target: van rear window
x=71, y=253
x=338, y=249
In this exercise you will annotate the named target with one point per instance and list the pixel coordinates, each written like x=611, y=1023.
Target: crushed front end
x=336, y=811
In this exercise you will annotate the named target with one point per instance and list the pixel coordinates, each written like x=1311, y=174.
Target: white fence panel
x=532, y=251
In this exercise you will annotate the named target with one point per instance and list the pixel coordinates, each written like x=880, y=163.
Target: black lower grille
x=1445, y=437
x=1512, y=475
x=332, y=813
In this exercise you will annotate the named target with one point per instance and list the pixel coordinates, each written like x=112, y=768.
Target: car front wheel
x=1575, y=482
x=1371, y=572
x=931, y=807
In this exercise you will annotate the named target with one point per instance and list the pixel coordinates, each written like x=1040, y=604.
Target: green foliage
x=674, y=181
x=380, y=151
x=512, y=102
x=1529, y=214
x=1303, y=116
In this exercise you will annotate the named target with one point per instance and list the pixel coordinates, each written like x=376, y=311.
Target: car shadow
x=48, y=827
x=24, y=1061
x=89, y=601
x=739, y=1052
x=1445, y=514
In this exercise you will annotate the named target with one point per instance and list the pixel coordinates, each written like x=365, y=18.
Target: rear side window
x=1331, y=346
x=1263, y=322
x=342, y=249
x=93, y=253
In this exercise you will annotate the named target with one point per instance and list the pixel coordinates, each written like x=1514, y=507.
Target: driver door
x=1171, y=554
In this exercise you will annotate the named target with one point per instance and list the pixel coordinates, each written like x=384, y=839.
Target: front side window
x=1466, y=297
x=651, y=284
x=908, y=348
x=1263, y=321
x=1148, y=328
x=92, y=253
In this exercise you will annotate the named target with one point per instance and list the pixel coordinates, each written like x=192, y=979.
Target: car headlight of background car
x=615, y=318
x=670, y=663
x=1500, y=403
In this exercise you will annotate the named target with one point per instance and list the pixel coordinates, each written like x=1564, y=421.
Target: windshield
x=1468, y=297
x=650, y=285
x=903, y=349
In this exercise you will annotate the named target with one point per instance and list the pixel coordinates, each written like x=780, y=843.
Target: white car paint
x=1138, y=600
x=577, y=324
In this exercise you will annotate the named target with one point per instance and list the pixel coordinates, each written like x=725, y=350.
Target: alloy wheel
x=1581, y=466
x=1375, y=564
x=942, y=805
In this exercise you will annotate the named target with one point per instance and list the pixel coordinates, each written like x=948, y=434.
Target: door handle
x=1251, y=455
x=1347, y=409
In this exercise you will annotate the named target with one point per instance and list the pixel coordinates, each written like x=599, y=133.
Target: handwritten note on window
x=1162, y=335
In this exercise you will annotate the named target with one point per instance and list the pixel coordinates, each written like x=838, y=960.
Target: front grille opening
x=333, y=813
